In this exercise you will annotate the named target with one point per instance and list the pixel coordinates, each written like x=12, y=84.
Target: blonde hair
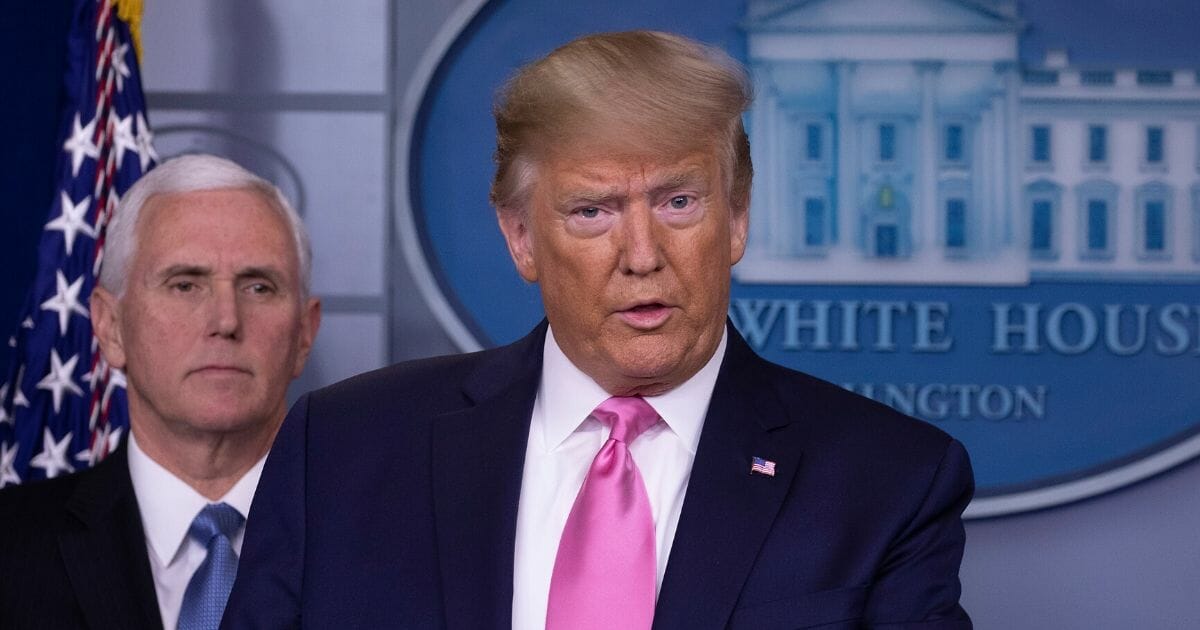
x=639, y=92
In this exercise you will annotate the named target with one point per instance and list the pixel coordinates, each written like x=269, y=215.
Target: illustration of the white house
x=902, y=142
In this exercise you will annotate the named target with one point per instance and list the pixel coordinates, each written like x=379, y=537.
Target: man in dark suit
x=203, y=303
x=631, y=463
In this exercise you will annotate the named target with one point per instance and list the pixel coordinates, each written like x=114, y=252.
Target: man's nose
x=224, y=319
x=641, y=253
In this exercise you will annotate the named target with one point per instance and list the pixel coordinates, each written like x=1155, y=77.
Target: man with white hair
x=204, y=302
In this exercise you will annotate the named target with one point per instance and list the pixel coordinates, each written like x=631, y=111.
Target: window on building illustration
x=1155, y=77
x=812, y=142
x=954, y=143
x=1196, y=223
x=1154, y=145
x=814, y=222
x=887, y=142
x=1155, y=227
x=1097, y=77
x=887, y=196
x=1040, y=144
x=1042, y=232
x=887, y=243
x=1097, y=144
x=956, y=223
x=1097, y=225
x=1040, y=77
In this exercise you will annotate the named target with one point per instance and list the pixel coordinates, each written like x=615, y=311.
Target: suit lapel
x=106, y=557
x=728, y=511
x=478, y=461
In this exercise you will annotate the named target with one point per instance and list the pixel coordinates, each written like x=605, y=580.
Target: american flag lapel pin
x=762, y=466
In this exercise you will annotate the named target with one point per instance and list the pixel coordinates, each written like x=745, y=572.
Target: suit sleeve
x=270, y=574
x=917, y=587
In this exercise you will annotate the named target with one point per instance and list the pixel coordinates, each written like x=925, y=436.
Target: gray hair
x=183, y=174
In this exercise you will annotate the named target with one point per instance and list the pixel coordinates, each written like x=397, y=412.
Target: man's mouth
x=647, y=316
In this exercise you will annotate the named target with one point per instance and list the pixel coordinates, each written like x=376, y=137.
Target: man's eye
x=590, y=212
x=679, y=202
x=184, y=286
x=261, y=288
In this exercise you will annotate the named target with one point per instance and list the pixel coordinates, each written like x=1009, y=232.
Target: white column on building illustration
x=925, y=223
x=765, y=201
x=982, y=166
x=847, y=157
x=997, y=164
x=777, y=163
x=1012, y=153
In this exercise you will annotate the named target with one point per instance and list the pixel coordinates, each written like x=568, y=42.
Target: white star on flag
x=59, y=380
x=123, y=139
x=53, y=458
x=65, y=302
x=116, y=378
x=80, y=144
x=27, y=323
x=103, y=443
x=73, y=220
x=119, y=65
x=19, y=399
x=145, y=144
x=8, y=459
x=4, y=417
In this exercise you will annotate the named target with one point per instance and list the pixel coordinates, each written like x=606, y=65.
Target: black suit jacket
x=390, y=500
x=73, y=554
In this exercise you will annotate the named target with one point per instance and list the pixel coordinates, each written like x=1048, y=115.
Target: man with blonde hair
x=631, y=462
x=204, y=303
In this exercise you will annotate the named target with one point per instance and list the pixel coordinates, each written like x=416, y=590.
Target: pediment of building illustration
x=894, y=16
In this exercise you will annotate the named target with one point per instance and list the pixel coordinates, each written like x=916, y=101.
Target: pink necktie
x=604, y=574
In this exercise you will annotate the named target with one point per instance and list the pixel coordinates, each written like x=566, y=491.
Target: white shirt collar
x=168, y=504
x=568, y=395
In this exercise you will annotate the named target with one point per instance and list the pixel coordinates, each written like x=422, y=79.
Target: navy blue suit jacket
x=390, y=500
x=73, y=554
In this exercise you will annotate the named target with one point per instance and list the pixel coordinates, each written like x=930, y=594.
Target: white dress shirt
x=168, y=505
x=563, y=440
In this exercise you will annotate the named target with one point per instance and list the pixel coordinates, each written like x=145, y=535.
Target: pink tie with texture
x=604, y=574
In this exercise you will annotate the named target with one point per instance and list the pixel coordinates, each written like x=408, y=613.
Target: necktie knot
x=605, y=571
x=628, y=416
x=216, y=519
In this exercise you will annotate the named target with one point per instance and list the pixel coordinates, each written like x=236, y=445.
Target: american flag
x=762, y=466
x=62, y=408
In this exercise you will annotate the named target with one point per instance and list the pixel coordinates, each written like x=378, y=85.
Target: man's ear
x=310, y=322
x=106, y=323
x=739, y=229
x=514, y=223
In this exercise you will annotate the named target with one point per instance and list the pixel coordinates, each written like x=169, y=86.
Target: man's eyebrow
x=690, y=178
x=185, y=269
x=584, y=195
x=270, y=273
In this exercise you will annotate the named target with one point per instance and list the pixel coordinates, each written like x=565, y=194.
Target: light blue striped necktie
x=208, y=590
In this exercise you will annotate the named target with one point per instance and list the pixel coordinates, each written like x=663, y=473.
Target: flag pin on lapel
x=762, y=466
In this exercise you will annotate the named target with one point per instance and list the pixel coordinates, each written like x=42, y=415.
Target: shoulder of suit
x=408, y=377
x=37, y=506
x=835, y=411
